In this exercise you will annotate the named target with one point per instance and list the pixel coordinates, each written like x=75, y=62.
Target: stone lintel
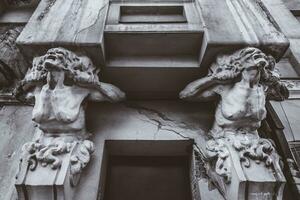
x=68, y=24
x=232, y=24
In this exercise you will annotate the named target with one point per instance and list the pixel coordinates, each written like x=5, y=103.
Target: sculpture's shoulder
x=222, y=89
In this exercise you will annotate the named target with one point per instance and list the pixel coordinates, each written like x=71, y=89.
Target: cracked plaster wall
x=147, y=120
x=16, y=128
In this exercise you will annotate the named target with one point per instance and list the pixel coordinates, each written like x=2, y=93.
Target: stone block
x=232, y=24
x=293, y=6
x=164, y=54
x=15, y=131
x=72, y=24
x=44, y=182
x=252, y=182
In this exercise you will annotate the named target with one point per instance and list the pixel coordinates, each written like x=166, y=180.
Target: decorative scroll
x=49, y=155
x=259, y=150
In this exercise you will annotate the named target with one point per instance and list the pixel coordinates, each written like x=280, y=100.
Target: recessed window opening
x=152, y=14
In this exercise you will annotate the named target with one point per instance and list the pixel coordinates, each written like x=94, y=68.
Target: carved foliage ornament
x=258, y=150
x=49, y=155
x=242, y=81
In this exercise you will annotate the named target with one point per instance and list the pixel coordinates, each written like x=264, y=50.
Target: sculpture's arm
x=210, y=86
x=277, y=92
x=26, y=93
x=107, y=92
x=201, y=89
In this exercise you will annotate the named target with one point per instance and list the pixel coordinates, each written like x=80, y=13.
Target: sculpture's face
x=55, y=61
x=252, y=70
x=251, y=73
x=55, y=58
x=55, y=77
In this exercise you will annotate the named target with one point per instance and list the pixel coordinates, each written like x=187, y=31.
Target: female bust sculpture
x=59, y=82
x=243, y=81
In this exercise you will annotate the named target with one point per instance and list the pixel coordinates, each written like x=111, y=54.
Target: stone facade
x=199, y=99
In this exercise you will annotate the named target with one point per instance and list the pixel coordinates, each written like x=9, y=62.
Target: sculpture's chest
x=241, y=103
x=58, y=104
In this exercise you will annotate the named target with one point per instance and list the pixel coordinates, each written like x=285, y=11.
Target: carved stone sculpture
x=236, y=154
x=59, y=83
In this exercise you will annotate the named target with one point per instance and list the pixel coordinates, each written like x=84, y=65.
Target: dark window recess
x=147, y=178
x=152, y=14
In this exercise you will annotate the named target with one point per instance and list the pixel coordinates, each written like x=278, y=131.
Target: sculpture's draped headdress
x=78, y=70
x=235, y=64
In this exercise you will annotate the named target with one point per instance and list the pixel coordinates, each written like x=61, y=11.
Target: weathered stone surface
x=16, y=15
x=13, y=65
x=16, y=129
x=289, y=25
x=293, y=5
x=16, y=11
x=150, y=71
x=233, y=24
x=149, y=121
x=153, y=121
x=150, y=52
x=66, y=23
x=288, y=112
x=20, y=3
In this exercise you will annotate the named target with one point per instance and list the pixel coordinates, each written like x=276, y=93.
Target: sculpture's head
x=60, y=65
x=252, y=65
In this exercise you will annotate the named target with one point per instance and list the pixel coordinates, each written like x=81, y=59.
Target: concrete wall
x=16, y=128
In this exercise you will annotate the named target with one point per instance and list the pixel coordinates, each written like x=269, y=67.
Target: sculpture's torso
x=59, y=110
x=241, y=109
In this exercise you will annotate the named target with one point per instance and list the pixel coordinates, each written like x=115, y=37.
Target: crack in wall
x=163, y=122
x=91, y=25
x=46, y=10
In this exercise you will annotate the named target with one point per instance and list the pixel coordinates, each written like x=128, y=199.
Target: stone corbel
x=58, y=84
x=240, y=163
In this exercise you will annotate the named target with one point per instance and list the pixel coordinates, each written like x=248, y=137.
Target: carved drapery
x=59, y=83
x=242, y=81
